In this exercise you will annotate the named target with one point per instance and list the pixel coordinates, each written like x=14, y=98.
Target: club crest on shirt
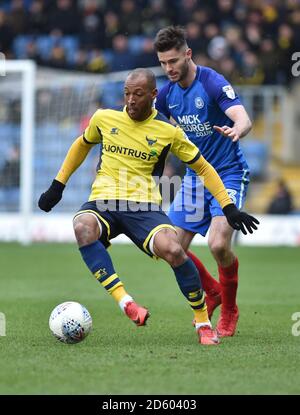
x=199, y=103
x=229, y=91
x=151, y=141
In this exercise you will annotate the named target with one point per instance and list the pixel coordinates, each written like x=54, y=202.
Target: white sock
x=127, y=298
x=198, y=325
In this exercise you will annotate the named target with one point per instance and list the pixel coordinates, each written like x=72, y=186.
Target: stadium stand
x=241, y=38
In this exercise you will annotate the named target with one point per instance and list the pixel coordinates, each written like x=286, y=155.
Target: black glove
x=239, y=220
x=52, y=196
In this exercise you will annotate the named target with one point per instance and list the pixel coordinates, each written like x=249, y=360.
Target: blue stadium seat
x=111, y=94
x=9, y=199
x=108, y=56
x=46, y=138
x=135, y=44
x=44, y=45
x=6, y=4
x=9, y=134
x=19, y=45
x=6, y=131
x=70, y=44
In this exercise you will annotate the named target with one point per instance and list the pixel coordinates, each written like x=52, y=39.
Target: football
x=70, y=322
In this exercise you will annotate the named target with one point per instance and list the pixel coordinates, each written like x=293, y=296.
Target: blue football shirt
x=197, y=109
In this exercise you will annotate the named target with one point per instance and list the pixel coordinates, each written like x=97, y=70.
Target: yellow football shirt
x=133, y=153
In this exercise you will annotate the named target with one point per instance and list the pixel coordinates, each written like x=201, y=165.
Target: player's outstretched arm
x=75, y=156
x=237, y=220
x=242, y=124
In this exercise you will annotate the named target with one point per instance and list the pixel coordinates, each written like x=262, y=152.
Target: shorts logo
x=229, y=91
x=199, y=103
x=232, y=194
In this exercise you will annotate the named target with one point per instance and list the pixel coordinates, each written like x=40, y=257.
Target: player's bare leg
x=185, y=237
x=210, y=285
x=219, y=241
x=88, y=228
x=167, y=246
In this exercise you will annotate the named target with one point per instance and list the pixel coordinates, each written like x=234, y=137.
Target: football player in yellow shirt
x=125, y=197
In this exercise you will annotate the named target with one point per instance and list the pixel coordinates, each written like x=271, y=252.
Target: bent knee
x=173, y=253
x=174, y=250
x=219, y=249
x=86, y=229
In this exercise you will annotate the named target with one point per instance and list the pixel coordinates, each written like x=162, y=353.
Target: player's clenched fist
x=52, y=196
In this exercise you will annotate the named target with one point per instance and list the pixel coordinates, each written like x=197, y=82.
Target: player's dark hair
x=171, y=37
x=147, y=73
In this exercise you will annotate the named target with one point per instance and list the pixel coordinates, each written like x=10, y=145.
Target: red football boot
x=227, y=322
x=136, y=313
x=207, y=336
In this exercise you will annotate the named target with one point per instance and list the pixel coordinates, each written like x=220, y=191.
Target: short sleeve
x=92, y=133
x=218, y=88
x=183, y=148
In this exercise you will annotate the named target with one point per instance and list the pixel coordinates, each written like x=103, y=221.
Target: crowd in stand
x=249, y=41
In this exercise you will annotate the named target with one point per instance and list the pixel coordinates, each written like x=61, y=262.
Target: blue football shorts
x=140, y=222
x=193, y=206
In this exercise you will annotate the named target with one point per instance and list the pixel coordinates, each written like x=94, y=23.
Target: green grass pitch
x=162, y=358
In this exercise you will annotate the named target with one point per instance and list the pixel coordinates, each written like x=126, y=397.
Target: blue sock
x=99, y=263
x=189, y=282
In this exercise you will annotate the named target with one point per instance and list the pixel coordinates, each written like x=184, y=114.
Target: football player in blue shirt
x=205, y=106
